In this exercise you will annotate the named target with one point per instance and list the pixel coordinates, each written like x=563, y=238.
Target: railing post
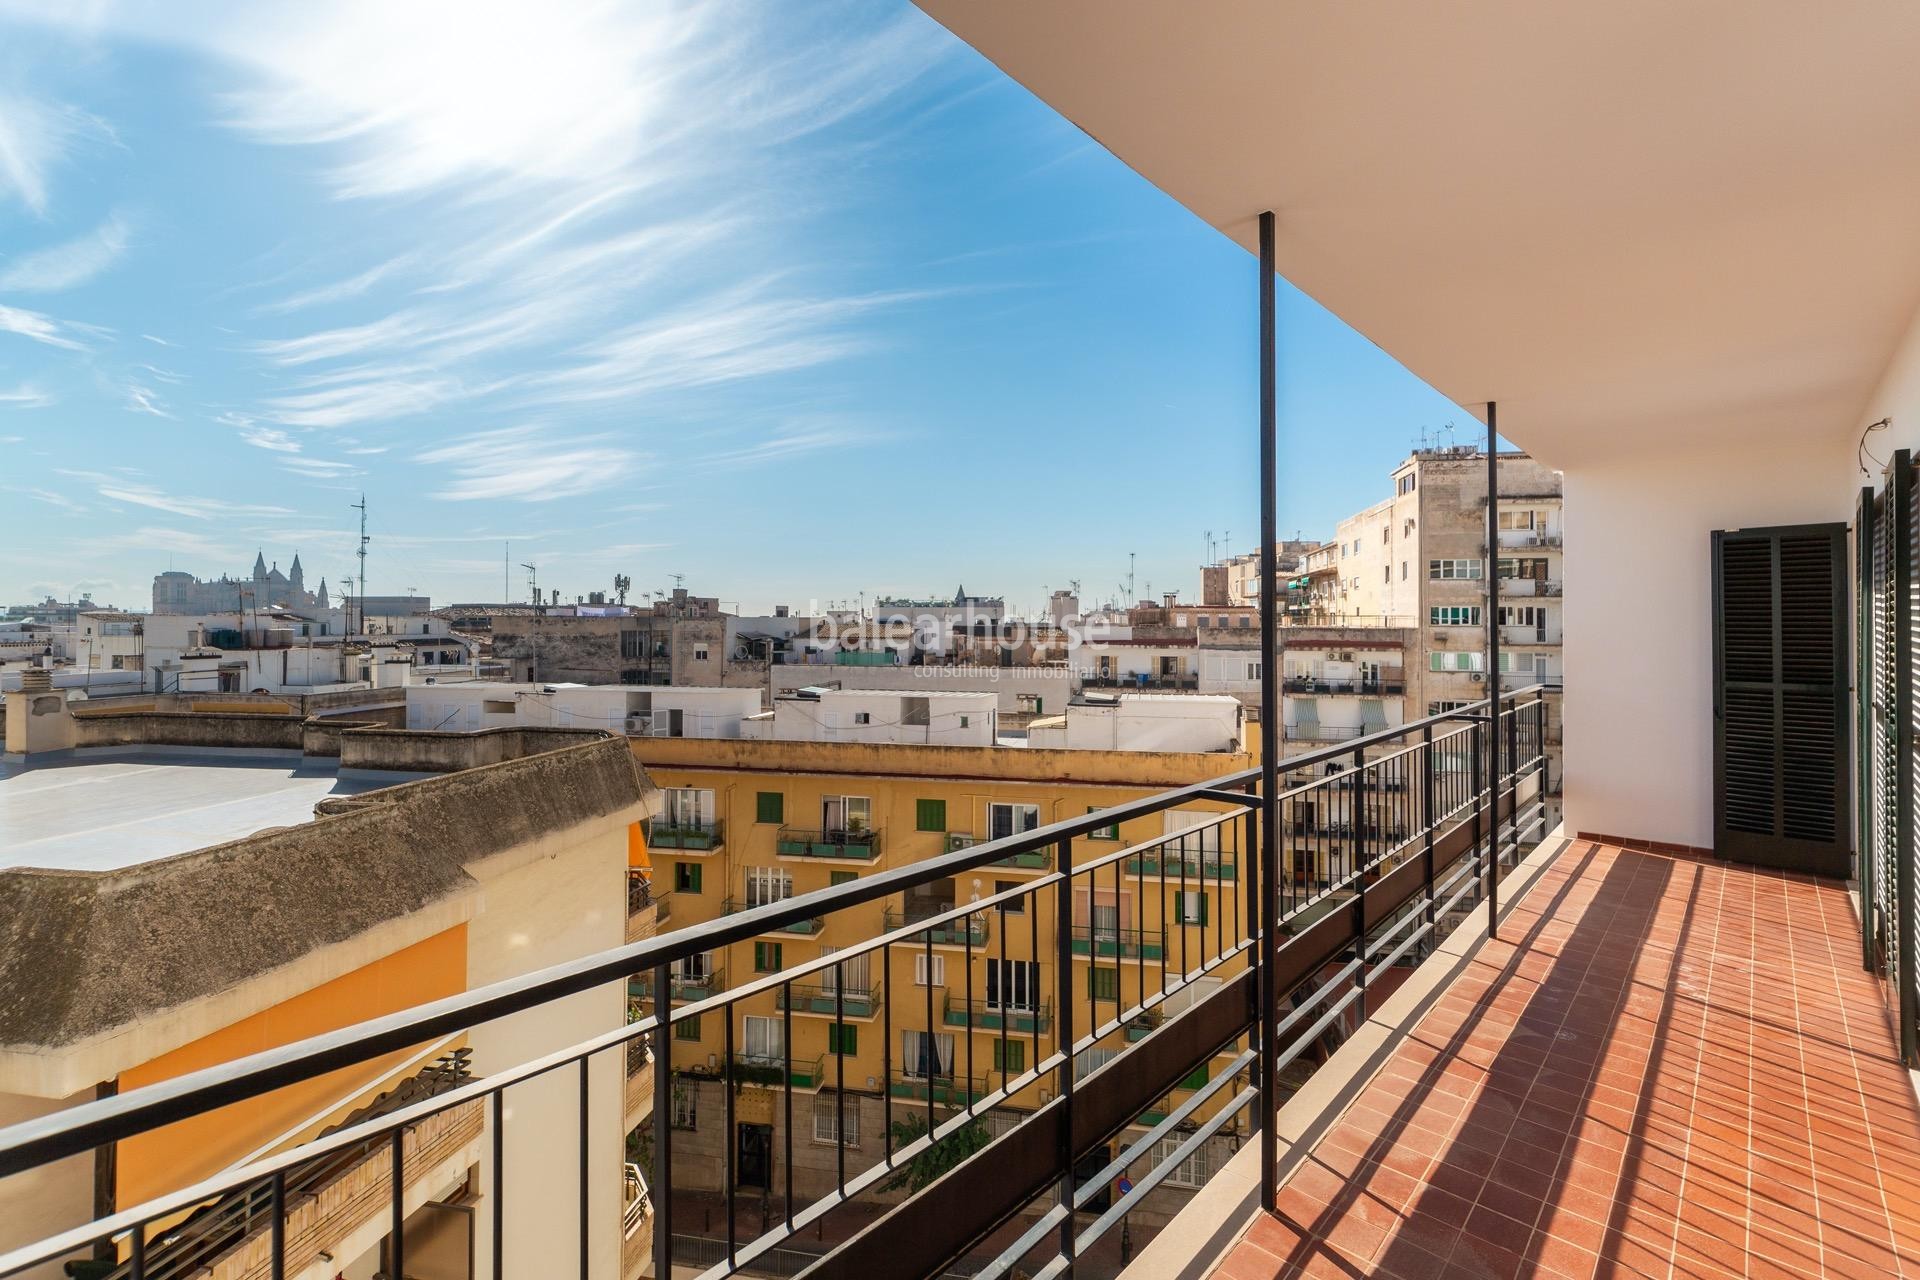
x=1270, y=710
x=1063, y=987
x=1429, y=820
x=1492, y=570
x=1476, y=764
x=661, y=1192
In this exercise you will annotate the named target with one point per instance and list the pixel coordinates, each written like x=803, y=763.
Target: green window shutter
x=929, y=815
x=1102, y=833
x=1190, y=912
x=1198, y=1079
x=686, y=877
x=842, y=877
x=1103, y=983
x=687, y=1028
x=1010, y=1056
x=843, y=1039
x=770, y=806
x=766, y=957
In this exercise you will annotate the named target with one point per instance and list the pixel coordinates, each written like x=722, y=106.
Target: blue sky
x=800, y=301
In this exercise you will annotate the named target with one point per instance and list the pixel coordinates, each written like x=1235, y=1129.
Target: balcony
x=1030, y=860
x=695, y=838
x=959, y=932
x=1182, y=866
x=1134, y=1080
x=1387, y=684
x=946, y=1090
x=1529, y=588
x=816, y=1000
x=856, y=846
x=685, y=988
x=773, y=1072
x=639, y=1084
x=800, y=928
x=1100, y=941
x=1636, y=1079
x=1313, y=731
x=981, y=1015
x=1160, y=683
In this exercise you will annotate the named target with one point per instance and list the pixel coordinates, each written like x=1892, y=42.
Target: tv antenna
x=361, y=507
x=533, y=583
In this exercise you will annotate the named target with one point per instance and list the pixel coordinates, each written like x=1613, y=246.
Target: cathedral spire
x=259, y=564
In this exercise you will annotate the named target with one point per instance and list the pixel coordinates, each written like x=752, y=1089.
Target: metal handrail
x=92, y=1124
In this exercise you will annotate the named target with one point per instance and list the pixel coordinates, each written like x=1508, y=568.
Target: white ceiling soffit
x=1633, y=223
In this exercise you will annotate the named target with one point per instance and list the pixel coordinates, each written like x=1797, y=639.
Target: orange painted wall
x=179, y=1154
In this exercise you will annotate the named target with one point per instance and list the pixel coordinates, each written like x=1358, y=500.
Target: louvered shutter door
x=1780, y=698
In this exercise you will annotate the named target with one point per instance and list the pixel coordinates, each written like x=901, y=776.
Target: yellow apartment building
x=953, y=1012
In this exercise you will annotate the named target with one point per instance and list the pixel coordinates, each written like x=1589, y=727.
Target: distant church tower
x=296, y=577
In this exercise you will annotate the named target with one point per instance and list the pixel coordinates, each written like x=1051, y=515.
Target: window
x=770, y=807
x=926, y=1057
x=688, y=809
x=1103, y=983
x=1204, y=621
x=1406, y=483
x=863, y=717
x=1386, y=534
x=1192, y=1172
x=1457, y=661
x=633, y=644
x=1253, y=673
x=929, y=815
x=842, y=877
x=965, y=721
x=1523, y=616
x=1200, y=842
x=1005, y=820
x=1179, y=619
x=1189, y=907
x=686, y=877
x=1010, y=1056
x=1091, y=1059
x=929, y=971
x=1517, y=519
x=1246, y=620
x=1456, y=569
x=846, y=813
x=684, y=1114
x=687, y=1028
x=1013, y=984
x=1386, y=573
x=1012, y=906
x=699, y=653
x=1454, y=615
x=843, y=1039
x=766, y=957
x=764, y=1040
x=1403, y=571
x=1445, y=705
x=836, y=1121
x=768, y=884
x=696, y=968
x=1102, y=833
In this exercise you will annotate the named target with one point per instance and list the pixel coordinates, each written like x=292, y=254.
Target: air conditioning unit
x=957, y=842
x=1343, y=657
x=1476, y=677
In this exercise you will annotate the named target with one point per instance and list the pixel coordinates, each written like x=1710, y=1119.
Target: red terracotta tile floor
x=1667, y=1067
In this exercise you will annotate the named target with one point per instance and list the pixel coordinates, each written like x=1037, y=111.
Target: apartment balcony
x=833, y=845
x=1313, y=731
x=636, y=1223
x=800, y=928
x=981, y=1015
x=683, y=988
x=767, y=1071
x=1529, y=540
x=815, y=1000
x=1102, y=941
x=946, y=1090
x=1386, y=685
x=966, y=931
x=1030, y=860
x=1528, y=588
x=699, y=837
x=645, y=911
x=1159, y=683
x=1174, y=865
x=639, y=1090
x=1666, y=1065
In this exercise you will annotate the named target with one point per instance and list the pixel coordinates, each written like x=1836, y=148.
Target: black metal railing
x=1369, y=688
x=1175, y=1000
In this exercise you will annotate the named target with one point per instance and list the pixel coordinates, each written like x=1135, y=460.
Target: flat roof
x=104, y=813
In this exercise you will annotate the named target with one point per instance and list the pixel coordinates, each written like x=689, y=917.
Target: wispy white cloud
x=271, y=438
x=340, y=290
x=142, y=400
x=25, y=396
x=72, y=262
x=320, y=468
x=159, y=341
x=42, y=328
x=34, y=137
x=785, y=444
x=49, y=497
x=115, y=488
x=185, y=542
x=528, y=465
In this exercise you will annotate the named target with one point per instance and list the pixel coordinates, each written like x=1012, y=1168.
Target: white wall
x=1638, y=618
x=542, y=913
x=1052, y=686
x=39, y=1202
